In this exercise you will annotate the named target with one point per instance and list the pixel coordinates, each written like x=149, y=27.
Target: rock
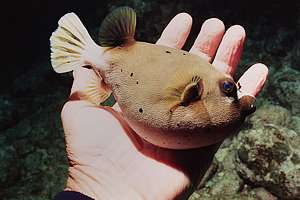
x=33, y=156
x=268, y=156
x=271, y=114
x=276, y=42
x=295, y=124
x=196, y=196
x=293, y=56
x=246, y=167
x=285, y=89
x=223, y=181
x=263, y=194
x=8, y=112
x=32, y=91
x=10, y=165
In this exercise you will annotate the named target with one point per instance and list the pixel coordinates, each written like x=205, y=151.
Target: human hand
x=108, y=160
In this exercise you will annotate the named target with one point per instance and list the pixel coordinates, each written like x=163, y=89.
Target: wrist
x=71, y=195
x=98, y=185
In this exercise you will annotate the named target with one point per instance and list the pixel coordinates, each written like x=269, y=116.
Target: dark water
x=32, y=153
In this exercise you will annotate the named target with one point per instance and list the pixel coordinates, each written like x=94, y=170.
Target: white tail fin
x=69, y=43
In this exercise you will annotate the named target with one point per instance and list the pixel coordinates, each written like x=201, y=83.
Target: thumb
x=253, y=80
x=251, y=83
x=80, y=116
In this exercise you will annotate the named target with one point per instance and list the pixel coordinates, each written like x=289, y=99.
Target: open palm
x=108, y=160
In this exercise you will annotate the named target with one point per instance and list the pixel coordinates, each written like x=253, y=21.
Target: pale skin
x=107, y=158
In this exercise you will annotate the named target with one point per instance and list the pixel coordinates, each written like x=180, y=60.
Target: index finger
x=209, y=38
x=176, y=32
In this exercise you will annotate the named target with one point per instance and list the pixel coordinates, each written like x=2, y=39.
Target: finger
x=177, y=31
x=253, y=80
x=230, y=50
x=209, y=38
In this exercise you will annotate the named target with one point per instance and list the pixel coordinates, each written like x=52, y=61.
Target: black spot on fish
x=184, y=54
x=121, y=70
x=131, y=74
x=137, y=82
x=178, y=125
x=168, y=51
x=141, y=110
x=87, y=66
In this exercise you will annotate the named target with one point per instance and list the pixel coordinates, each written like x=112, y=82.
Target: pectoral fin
x=95, y=90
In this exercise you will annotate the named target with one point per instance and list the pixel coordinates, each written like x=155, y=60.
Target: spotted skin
x=144, y=79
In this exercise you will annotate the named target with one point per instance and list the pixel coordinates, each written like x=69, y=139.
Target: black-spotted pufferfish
x=169, y=97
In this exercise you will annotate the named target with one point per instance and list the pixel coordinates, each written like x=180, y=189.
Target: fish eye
x=229, y=87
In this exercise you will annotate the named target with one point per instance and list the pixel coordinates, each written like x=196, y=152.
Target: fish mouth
x=247, y=103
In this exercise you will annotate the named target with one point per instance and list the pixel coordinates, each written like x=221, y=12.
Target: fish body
x=170, y=97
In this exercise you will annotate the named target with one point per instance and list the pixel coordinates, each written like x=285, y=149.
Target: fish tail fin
x=71, y=44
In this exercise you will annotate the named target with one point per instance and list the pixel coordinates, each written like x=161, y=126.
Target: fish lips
x=247, y=103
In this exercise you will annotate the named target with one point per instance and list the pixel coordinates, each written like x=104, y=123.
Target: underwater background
x=261, y=162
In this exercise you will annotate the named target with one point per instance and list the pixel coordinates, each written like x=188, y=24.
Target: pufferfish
x=169, y=97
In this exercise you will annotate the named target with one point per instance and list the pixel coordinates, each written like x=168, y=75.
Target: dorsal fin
x=118, y=27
